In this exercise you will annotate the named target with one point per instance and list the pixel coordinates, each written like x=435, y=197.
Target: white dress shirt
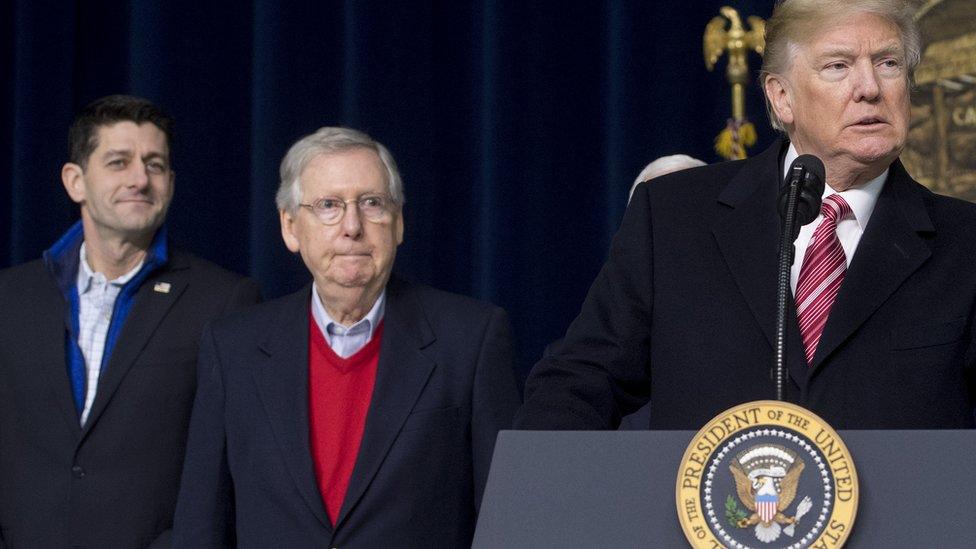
x=96, y=301
x=344, y=341
x=861, y=199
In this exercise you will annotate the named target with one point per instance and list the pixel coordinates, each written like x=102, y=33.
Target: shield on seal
x=766, y=506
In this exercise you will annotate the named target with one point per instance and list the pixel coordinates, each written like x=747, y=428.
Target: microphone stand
x=786, y=251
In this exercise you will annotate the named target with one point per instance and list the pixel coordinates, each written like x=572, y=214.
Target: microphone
x=799, y=204
x=807, y=175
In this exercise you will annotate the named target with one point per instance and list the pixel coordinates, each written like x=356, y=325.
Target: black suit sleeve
x=600, y=372
x=205, y=507
x=970, y=368
x=495, y=397
x=163, y=541
x=244, y=294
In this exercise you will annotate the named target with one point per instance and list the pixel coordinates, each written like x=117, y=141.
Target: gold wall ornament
x=739, y=133
x=941, y=148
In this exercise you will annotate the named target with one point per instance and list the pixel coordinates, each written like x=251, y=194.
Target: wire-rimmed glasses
x=330, y=209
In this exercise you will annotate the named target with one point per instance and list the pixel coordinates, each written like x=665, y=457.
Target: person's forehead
x=359, y=166
x=126, y=133
x=852, y=34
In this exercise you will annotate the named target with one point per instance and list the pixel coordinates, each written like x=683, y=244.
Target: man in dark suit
x=98, y=346
x=683, y=312
x=360, y=411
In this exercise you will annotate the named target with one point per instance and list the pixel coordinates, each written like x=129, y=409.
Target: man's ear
x=288, y=231
x=399, y=228
x=780, y=97
x=73, y=179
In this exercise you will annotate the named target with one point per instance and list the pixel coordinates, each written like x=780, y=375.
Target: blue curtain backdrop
x=518, y=126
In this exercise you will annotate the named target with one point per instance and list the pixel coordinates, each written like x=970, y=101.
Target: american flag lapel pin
x=162, y=287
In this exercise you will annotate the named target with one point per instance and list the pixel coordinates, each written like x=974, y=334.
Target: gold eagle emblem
x=766, y=480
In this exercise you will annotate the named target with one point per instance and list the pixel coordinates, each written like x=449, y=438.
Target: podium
x=565, y=489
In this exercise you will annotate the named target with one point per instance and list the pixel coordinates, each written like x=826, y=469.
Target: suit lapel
x=282, y=383
x=401, y=375
x=889, y=252
x=148, y=310
x=748, y=237
x=51, y=327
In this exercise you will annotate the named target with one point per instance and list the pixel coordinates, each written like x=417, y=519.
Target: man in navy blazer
x=360, y=411
x=683, y=312
x=98, y=347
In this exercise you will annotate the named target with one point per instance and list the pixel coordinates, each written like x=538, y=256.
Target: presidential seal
x=766, y=474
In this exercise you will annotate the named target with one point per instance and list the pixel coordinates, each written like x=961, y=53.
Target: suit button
x=77, y=472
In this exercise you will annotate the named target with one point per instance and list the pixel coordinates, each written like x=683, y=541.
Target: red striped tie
x=822, y=272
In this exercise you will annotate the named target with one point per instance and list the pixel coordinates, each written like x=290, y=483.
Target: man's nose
x=140, y=175
x=352, y=223
x=866, y=85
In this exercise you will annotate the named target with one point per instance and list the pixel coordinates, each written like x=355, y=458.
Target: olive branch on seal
x=733, y=513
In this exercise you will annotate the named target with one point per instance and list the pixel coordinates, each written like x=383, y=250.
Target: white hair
x=330, y=140
x=663, y=166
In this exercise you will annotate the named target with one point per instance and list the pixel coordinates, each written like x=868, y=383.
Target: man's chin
x=354, y=280
x=882, y=153
x=139, y=228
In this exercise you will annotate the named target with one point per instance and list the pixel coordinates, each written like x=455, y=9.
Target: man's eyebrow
x=890, y=49
x=155, y=154
x=117, y=152
x=848, y=52
x=835, y=50
x=127, y=153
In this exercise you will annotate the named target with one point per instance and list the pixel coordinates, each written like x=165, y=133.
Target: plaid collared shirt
x=96, y=302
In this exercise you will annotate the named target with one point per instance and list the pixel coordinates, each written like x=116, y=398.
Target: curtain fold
x=518, y=126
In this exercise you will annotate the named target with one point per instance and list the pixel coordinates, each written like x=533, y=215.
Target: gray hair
x=795, y=22
x=330, y=140
x=664, y=166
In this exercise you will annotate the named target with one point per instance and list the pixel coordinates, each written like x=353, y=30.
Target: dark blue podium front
x=565, y=489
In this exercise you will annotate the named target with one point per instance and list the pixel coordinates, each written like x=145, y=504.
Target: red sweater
x=339, y=391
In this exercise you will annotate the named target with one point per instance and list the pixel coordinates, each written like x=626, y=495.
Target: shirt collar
x=86, y=275
x=861, y=198
x=62, y=258
x=329, y=326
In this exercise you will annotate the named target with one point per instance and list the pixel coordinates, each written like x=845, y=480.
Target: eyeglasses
x=330, y=210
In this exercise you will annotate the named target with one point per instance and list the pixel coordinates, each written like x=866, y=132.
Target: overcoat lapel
x=401, y=375
x=148, y=310
x=282, y=383
x=748, y=237
x=890, y=250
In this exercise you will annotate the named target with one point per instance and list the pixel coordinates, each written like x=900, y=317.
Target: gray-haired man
x=360, y=411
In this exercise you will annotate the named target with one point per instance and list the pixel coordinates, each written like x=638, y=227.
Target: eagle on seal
x=766, y=479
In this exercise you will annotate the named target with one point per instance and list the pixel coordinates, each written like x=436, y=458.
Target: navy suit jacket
x=444, y=387
x=114, y=482
x=683, y=312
